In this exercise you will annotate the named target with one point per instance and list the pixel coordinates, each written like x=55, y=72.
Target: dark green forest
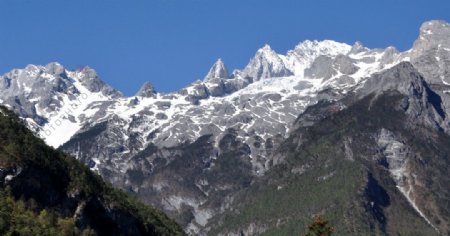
x=44, y=191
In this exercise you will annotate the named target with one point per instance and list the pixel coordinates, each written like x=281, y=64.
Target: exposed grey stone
x=161, y=116
x=345, y=80
x=274, y=97
x=265, y=64
x=433, y=34
x=147, y=90
x=345, y=65
x=321, y=68
x=390, y=56
x=302, y=85
x=358, y=47
x=163, y=105
x=91, y=80
x=217, y=71
x=423, y=104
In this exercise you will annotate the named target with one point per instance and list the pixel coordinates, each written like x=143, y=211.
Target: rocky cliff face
x=148, y=144
x=362, y=166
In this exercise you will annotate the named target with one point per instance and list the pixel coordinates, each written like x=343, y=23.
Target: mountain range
x=360, y=135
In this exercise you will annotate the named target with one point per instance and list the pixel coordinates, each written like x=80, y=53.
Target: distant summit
x=217, y=71
x=147, y=90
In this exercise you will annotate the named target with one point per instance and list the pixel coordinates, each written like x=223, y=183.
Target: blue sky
x=174, y=42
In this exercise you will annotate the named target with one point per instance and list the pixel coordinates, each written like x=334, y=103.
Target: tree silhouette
x=320, y=227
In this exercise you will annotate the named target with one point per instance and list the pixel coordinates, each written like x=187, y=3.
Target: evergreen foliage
x=48, y=186
x=319, y=227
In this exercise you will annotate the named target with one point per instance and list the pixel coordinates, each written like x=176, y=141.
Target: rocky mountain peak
x=55, y=68
x=357, y=48
x=430, y=53
x=266, y=64
x=266, y=48
x=433, y=34
x=306, y=52
x=435, y=28
x=147, y=90
x=422, y=104
x=399, y=78
x=217, y=71
x=267, y=53
x=87, y=71
x=90, y=79
x=310, y=48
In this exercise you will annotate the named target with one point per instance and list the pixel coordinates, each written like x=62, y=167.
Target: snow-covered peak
x=52, y=99
x=49, y=71
x=266, y=49
x=312, y=66
x=266, y=64
x=358, y=47
x=89, y=78
x=303, y=55
x=310, y=48
x=217, y=71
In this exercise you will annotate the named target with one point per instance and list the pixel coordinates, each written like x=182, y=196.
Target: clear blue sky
x=174, y=42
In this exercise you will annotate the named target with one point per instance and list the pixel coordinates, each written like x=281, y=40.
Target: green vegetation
x=19, y=217
x=52, y=193
x=318, y=178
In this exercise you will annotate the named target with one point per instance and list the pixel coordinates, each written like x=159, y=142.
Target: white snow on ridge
x=306, y=52
x=92, y=107
x=60, y=128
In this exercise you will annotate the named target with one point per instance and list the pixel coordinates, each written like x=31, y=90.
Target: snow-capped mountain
x=260, y=101
x=217, y=71
x=52, y=99
x=121, y=137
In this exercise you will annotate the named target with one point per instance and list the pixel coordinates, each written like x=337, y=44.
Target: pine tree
x=320, y=227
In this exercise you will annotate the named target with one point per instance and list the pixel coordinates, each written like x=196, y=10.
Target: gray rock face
x=30, y=89
x=51, y=98
x=217, y=71
x=321, y=68
x=196, y=92
x=147, y=90
x=433, y=34
x=358, y=47
x=325, y=67
x=430, y=55
x=346, y=65
x=402, y=77
x=56, y=69
x=93, y=83
x=266, y=64
x=423, y=105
